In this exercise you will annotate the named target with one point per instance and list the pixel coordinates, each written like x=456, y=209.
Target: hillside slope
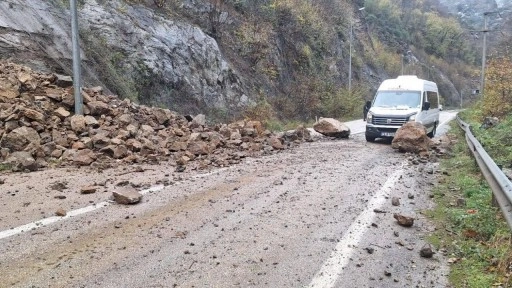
x=287, y=59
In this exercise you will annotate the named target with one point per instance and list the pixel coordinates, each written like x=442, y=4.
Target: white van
x=406, y=98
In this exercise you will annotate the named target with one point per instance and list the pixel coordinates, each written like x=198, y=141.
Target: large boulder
x=22, y=160
x=332, y=128
x=20, y=138
x=411, y=137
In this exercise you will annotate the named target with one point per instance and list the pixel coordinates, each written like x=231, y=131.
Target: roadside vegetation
x=471, y=231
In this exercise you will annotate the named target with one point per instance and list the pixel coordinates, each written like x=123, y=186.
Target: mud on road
x=319, y=215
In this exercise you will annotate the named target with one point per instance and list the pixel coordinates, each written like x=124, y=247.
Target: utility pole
x=350, y=58
x=76, y=59
x=484, y=50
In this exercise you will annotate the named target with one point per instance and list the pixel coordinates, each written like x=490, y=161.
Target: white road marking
x=80, y=211
x=333, y=267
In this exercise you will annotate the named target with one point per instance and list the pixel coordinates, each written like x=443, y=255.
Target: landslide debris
x=38, y=128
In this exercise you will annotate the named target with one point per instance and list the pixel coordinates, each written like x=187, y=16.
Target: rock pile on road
x=38, y=128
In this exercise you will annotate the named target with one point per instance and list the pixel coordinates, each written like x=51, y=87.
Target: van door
x=432, y=114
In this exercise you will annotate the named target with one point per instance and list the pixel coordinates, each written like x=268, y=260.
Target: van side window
x=433, y=99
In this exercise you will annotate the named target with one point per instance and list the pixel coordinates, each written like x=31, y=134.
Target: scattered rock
x=370, y=250
x=426, y=251
x=404, y=220
x=490, y=122
x=126, y=195
x=61, y=212
x=59, y=186
x=395, y=201
x=88, y=190
x=379, y=211
x=115, y=130
x=332, y=128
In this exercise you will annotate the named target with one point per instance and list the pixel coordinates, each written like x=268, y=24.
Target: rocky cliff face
x=211, y=57
x=129, y=49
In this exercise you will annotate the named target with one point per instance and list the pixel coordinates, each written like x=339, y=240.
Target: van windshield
x=410, y=99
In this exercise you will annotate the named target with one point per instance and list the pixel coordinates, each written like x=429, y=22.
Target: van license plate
x=388, y=134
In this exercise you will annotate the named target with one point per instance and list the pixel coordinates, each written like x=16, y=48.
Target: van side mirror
x=440, y=107
x=426, y=106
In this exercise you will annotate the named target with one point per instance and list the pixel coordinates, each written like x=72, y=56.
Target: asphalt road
x=319, y=215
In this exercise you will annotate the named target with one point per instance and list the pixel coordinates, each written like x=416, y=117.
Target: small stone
x=404, y=221
x=61, y=212
x=395, y=201
x=410, y=196
x=88, y=190
x=126, y=195
x=426, y=251
x=370, y=250
x=60, y=197
x=387, y=273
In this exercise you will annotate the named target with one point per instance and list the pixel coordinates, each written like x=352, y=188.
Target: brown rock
x=34, y=115
x=59, y=139
x=86, y=97
x=55, y=94
x=162, y=115
x=116, y=152
x=98, y=108
x=332, y=128
x=178, y=146
x=61, y=212
x=20, y=138
x=68, y=99
x=404, y=220
x=134, y=145
x=198, y=148
x=61, y=112
x=411, y=137
x=56, y=153
x=91, y=121
x=78, y=123
x=78, y=146
x=21, y=161
x=88, y=190
x=84, y=157
x=275, y=143
x=9, y=88
x=126, y=195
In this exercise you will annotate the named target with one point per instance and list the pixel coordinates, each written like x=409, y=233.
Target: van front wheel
x=369, y=138
x=433, y=133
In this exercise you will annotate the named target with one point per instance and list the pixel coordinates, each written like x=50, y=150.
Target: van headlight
x=369, y=117
x=412, y=117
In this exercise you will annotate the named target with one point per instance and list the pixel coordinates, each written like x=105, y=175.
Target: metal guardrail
x=497, y=180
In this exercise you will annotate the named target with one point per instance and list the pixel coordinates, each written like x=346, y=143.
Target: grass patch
x=5, y=167
x=471, y=231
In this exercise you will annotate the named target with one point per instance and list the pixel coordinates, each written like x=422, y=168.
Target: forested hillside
x=264, y=59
